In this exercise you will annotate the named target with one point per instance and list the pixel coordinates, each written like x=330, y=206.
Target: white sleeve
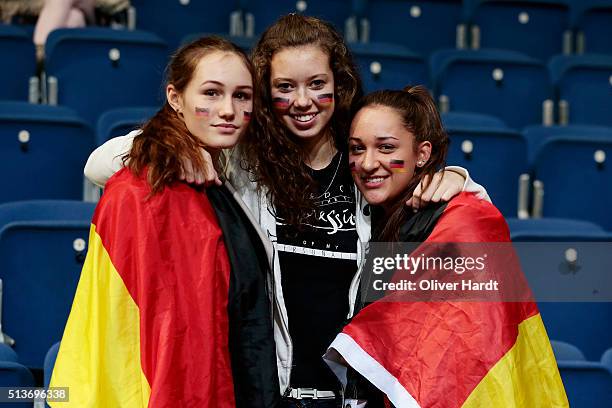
x=106, y=160
x=470, y=186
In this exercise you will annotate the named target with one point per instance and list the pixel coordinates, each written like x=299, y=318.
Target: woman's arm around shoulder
x=107, y=159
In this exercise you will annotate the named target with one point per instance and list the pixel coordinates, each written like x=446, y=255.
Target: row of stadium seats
x=49, y=146
x=111, y=68
x=556, y=171
x=539, y=28
x=43, y=246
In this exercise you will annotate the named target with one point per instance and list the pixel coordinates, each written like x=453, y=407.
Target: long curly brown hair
x=273, y=154
x=165, y=142
x=420, y=116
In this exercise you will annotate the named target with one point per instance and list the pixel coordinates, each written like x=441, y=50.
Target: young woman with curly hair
x=292, y=172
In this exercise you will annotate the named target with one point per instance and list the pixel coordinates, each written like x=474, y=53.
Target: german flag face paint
x=397, y=166
x=326, y=98
x=202, y=112
x=353, y=166
x=280, y=103
x=247, y=116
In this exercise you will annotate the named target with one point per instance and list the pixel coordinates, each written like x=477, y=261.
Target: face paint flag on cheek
x=397, y=166
x=247, y=116
x=353, y=167
x=201, y=112
x=280, y=103
x=326, y=98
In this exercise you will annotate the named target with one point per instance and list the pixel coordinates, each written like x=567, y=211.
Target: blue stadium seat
x=43, y=210
x=587, y=384
x=585, y=83
x=576, y=176
x=594, y=27
x=245, y=43
x=174, y=19
x=534, y=27
x=586, y=324
x=8, y=354
x=566, y=351
x=50, y=362
x=454, y=119
x=42, y=249
x=15, y=375
x=259, y=14
x=572, y=298
x=43, y=149
x=18, y=48
x=537, y=135
x=421, y=25
x=98, y=69
x=555, y=230
x=505, y=84
x=494, y=156
x=606, y=359
x=119, y=122
x=387, y=66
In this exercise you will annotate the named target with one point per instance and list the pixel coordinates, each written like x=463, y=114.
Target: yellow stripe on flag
x=526, y=376
x=99, y=355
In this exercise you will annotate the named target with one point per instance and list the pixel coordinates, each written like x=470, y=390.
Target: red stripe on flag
x=442, y=350
x=183, y=311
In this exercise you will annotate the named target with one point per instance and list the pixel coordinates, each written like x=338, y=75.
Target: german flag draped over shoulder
x=449, y=354
x=149, y=323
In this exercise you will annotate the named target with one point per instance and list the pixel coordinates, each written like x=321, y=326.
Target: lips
x=304, y=121
x=226, y=128
x=304, y=118
x=373, y=181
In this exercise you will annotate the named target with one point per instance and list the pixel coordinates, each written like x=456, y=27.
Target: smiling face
x=382, y=154
x=217, y=103
x=302, y=89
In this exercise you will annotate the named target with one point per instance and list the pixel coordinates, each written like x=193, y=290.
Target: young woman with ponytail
x=449, y=346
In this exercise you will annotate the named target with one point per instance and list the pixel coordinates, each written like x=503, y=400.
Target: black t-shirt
x=318, y=264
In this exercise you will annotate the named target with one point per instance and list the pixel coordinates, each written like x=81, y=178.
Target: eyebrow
x=377, y=138
x=221, y=84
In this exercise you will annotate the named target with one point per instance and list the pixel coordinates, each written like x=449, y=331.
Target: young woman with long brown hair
x=171, y=308
x=293, y=174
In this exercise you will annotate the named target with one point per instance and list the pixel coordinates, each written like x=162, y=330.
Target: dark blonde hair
x=420, y=116
x=272, y=152
x=165, y=141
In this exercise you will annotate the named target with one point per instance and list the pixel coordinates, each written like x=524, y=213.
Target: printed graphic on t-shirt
x=329, y=231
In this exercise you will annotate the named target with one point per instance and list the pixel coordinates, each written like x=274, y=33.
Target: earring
x=420, y=163
x=179, y=112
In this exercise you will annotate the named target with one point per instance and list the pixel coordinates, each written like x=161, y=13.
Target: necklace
x=332, y=179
